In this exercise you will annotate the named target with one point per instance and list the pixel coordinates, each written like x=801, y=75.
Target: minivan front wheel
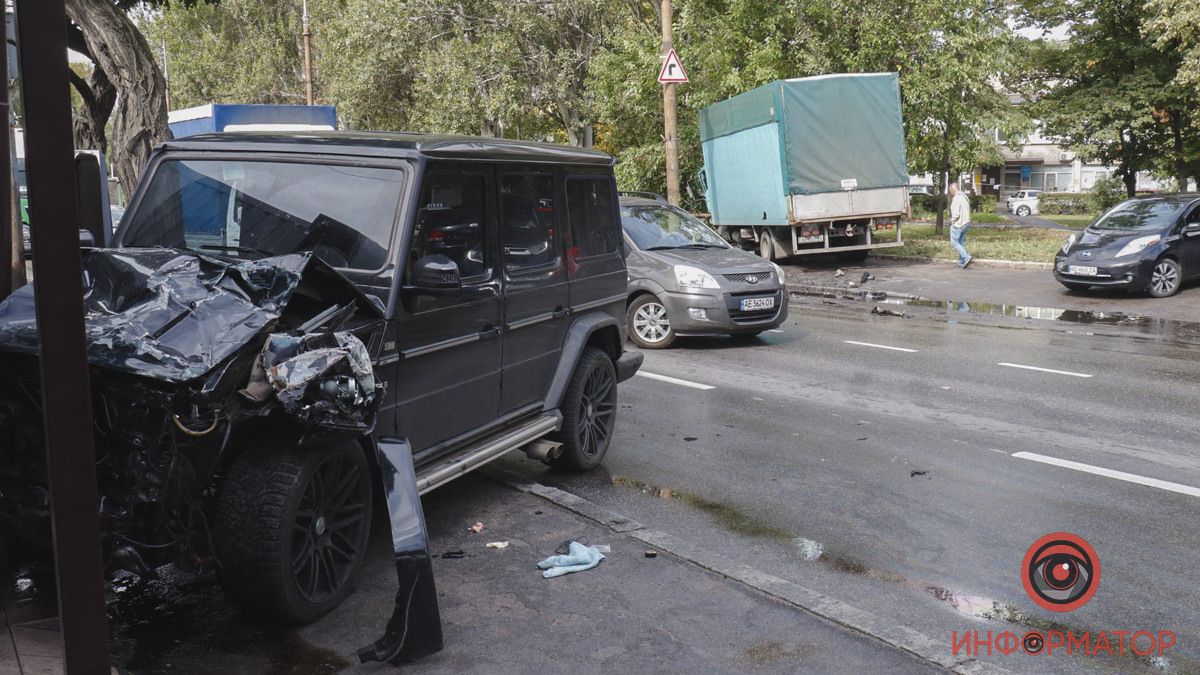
x=290, y=529
x=648, y=324
x=589, y=412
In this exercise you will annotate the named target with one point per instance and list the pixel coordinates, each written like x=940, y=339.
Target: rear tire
x=589, y=412
x=290, y=529
x=1165, y=278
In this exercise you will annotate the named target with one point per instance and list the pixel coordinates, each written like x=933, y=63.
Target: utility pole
x=671, y=134
x=307, y=56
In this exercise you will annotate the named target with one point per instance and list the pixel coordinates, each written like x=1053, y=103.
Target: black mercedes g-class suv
x=275, y=305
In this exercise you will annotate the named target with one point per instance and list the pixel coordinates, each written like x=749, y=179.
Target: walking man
x=960, y=220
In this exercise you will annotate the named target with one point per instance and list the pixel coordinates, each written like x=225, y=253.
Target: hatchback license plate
x=1083, y=271
x=758, y=303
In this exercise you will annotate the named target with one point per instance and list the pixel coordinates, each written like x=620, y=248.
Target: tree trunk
x=940, y=183
x=91, y=120
x=120, y=50
x=1181, y=163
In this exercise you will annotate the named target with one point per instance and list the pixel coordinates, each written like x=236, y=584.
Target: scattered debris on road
x=651, y=554
x=580, y=558
x=839, y=272
x=454, y=555
x=883, y=311
x=914, y=473
x=497, y=544
x=476, y=528
x=866, y=276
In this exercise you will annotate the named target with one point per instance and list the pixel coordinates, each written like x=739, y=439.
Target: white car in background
x=1023, y=202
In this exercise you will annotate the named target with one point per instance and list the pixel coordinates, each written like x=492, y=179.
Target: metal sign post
x=670, y=123
x=58, y=298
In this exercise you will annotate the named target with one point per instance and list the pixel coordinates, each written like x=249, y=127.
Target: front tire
x=290, y=529
x=589, y=413
x=1165, y=278
x=1022, y=211
x=648, y=325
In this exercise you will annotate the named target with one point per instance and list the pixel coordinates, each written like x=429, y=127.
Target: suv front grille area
x=733, y=303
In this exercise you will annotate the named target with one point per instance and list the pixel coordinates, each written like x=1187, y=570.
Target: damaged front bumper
x=192, y=356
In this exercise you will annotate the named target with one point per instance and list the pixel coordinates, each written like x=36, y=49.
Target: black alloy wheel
x=589, y=411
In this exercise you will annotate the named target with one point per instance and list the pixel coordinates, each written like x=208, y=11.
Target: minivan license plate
x=758, y=303
x=1083, y=271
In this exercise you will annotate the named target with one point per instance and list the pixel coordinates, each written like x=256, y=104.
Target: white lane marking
x=675, y=380
x=868, y=344
x=1110, y=473
x=1043, y=370
x=999, y=451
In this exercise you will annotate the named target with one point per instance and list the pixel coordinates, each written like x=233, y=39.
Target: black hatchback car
x=1150, y=244
x=282, y=317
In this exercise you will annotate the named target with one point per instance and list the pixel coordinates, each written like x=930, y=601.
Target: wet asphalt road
x=887, y=479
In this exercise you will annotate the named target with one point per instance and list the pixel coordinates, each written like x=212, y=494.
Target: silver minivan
x=685, y=280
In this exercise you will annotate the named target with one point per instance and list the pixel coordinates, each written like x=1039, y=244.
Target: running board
x=447, y=469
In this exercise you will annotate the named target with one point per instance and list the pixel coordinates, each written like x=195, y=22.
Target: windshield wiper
x=700, y=245
x=237, y=249
x=661, y=248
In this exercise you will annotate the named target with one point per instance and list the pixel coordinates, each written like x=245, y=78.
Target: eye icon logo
x=1061, y=572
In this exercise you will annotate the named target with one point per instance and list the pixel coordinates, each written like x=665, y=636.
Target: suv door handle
x=559, y=312
x=488, y=332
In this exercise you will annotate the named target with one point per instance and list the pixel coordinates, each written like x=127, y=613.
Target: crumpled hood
x=174, y=315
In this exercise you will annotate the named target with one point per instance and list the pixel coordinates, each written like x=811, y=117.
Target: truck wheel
x=290, y=529
x=648, y=325
x=589, y=410
x=766, y=246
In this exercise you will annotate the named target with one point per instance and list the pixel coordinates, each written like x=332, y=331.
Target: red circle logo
x=1061, y=572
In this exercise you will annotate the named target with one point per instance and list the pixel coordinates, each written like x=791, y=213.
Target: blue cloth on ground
x=579, y=558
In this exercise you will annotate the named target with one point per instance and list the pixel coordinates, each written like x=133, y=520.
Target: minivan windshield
x=252, y=209
x=1137, y=215
x=661, y=226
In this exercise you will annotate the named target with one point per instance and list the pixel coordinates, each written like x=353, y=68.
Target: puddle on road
x=732, y=519
x=1182, y=331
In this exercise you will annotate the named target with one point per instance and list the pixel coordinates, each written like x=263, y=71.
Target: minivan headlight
x=779, y=273
x=694, y=277
x=1138, y=245
x=1066, y=247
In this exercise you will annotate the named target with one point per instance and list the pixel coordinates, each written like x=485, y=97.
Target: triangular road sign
x=672, y=69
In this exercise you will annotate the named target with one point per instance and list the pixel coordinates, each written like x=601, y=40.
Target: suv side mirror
x=436, y=275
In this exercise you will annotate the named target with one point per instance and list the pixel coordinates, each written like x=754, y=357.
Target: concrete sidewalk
x=983, y=284
x=631, y=614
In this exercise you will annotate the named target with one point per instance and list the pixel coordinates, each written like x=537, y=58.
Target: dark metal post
x=58, y=298
x=9, y=229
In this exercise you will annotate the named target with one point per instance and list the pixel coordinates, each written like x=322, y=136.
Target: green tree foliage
x=1109, y=94
x=1107, y=192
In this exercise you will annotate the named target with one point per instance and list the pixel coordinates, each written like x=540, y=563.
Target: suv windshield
x=655, y=227
x=1140, y=214
x=252, y=209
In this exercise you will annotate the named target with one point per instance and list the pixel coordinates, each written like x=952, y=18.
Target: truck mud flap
x=415, y=629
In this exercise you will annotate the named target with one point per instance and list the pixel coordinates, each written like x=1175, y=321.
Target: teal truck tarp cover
x=832, y=128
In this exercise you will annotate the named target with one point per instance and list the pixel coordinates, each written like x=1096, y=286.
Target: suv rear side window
x=593, y=218
x=527, y=221
x=451, y=222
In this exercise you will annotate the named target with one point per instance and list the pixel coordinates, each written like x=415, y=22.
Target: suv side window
x=527, y=212
x=451, y=221
x=593, y=218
